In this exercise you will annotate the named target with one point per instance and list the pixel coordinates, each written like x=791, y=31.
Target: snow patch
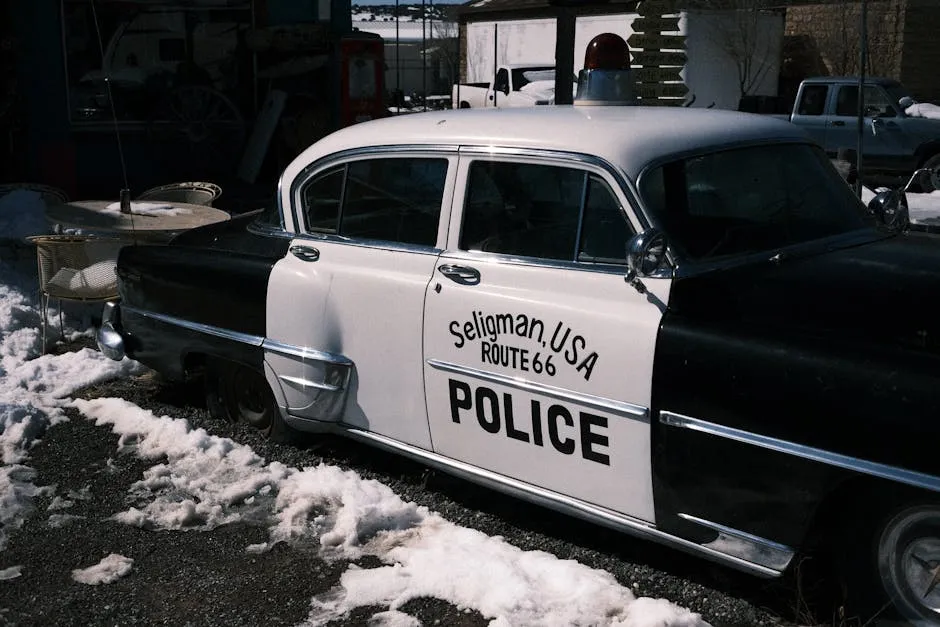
x=924, y=110
x=108, y=570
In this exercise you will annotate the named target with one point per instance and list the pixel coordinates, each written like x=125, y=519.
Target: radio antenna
x=125, y=191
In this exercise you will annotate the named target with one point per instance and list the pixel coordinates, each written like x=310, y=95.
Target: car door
x=345, y=306
x=883, y=141
x=538, y=354
x=810, y=112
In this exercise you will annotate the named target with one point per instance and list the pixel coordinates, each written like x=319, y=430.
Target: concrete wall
x=714, y=47
x=732, y=54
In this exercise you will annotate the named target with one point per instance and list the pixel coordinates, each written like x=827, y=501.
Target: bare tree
x=742, y=29
x=837, y=36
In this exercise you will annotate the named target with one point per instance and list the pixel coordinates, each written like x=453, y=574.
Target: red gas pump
x=362, y=78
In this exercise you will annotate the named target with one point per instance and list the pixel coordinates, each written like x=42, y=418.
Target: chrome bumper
x=110, y=342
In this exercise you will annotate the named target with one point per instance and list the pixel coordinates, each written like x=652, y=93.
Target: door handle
x=305, y=253
x=837, y=123
x=460, y=274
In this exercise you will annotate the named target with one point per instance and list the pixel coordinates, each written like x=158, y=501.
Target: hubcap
x=250, y=399
x=909, y=563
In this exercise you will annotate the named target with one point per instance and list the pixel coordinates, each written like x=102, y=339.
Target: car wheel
x=238, y=393
x=908, y=555
x=931, y=181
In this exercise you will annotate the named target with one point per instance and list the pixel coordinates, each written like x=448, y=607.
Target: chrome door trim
x=244, y=338
x=306, y=353
x=745, y=545
x=558, y=502
x=875, y=469
x=307, y=383
x=628, y=410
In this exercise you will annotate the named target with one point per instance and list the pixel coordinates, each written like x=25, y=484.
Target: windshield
x=750, y=200
x=897, y=91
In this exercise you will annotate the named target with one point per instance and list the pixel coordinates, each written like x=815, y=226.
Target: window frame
x=342, y=159
x=623, y=191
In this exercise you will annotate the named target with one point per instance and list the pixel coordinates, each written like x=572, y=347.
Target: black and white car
x=679, y=323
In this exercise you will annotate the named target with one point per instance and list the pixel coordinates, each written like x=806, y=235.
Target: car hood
x=883, y=292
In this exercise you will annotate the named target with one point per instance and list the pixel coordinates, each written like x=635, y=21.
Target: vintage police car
x=678, y=323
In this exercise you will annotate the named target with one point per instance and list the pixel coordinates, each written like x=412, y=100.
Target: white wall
x=710, y=73
x=516, y=41
x=713, y=70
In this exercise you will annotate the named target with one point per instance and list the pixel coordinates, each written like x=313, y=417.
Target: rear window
x=751, y=200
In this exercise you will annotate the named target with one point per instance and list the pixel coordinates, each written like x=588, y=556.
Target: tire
x=931, y=181
x=893, y=569
x=239, y=394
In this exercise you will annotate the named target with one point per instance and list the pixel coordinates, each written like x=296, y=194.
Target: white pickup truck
x=518, y=85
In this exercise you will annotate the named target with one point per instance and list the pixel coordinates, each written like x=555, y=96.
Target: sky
x=224, y=482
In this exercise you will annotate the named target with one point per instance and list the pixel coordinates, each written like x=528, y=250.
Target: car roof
x=630, y=137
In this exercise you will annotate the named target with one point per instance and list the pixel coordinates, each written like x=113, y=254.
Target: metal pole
x=424, y=56
x=397, y=59
x=565, y=29
x=431, y=38
x=862, y=53
x=456, y=105
x=495, y=59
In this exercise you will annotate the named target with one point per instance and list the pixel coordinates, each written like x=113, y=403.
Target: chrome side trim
x=875, y=469
x=745, y=545
x=245, y=338
x=368, y=243
x=629, y=410
x=263, y=228
x=307, y=383
x=306, y=353
x=558, y=502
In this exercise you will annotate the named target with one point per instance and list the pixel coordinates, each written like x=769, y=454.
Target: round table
x=151, y=221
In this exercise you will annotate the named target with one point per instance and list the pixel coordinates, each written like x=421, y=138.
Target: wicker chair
x=75, y=268
x=192, y=192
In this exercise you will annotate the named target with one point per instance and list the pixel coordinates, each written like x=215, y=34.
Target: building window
x=176, y=62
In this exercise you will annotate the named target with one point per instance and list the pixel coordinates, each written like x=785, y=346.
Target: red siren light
x=606, y=78
x=607, y=51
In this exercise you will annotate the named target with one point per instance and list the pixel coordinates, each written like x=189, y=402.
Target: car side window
x=502, y=81
x=604, y=229
x=321, y=199
x=813, y=100
x=534, y=210
x=389, y=199
x=877, y=104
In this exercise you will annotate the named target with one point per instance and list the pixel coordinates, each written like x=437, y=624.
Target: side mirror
x=646, y=253
x=889, y=206
x=925, y=179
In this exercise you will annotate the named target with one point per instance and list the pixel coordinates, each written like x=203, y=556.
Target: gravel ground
x=207, y=578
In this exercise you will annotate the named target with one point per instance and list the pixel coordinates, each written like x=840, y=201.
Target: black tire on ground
x=930, y=182
x=237, y=393
x=891, y=566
